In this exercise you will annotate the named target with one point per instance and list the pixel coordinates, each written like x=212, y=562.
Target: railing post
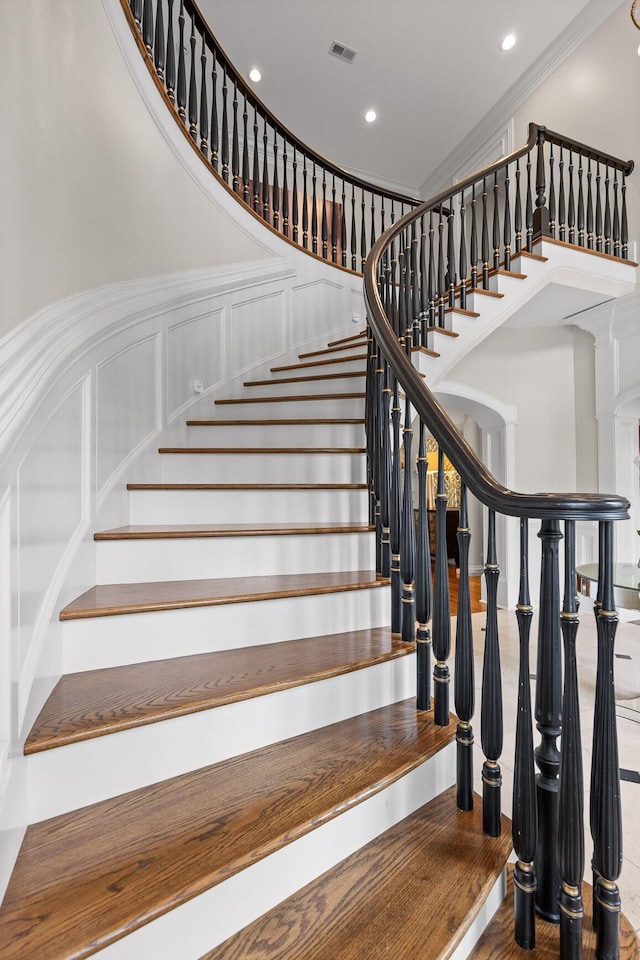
x=549, y=722
x=541, y=212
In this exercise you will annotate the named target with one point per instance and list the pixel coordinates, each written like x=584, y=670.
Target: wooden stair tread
x=354, y=336
x=593, y=253
x=497, y=943
x=501, y=272
x=485, y=293
x=291, y=421
x=443, y=331
x=246, y=486
x=318, y=353
x=464, y=313
x=391, y=898
x=526, y=255
x=294, y=399
x=128, y=860
x=261, y=450
x=320, y=363
x=310, y=378
x=98, y=702
x=183, y=531
x=113, y=599
x=425, y=350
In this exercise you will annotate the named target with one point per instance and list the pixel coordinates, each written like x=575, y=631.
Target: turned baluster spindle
x=368, y=423
x=224, y=151
x=607, y=214
x=561, y=199
x=353, y=246
x=181, y=87
x=395, y=515
x=265, y=173
x=464, y=685
x=147, y=26
x=571, y=790
x=581, y=216
x=363, y=233
x=506, y=234
x=495, y=230
x=616, y=217
x=256, y=163
x=571, y=205
x=473, y=239
x=485, y=237
x=170, y=69
x=159, y=52
x=432, y=273
x=314, y=211
x=384, y=477
x=372, y=238
x=408, y=531
x=548, y=712
x=235, y=144
x=599, y=227
x=375, y=450
x=246, y=190
x=423, y=582
x=215, y=144
x=441, y=271
x=541, y=213
x=552, y=194
x=204, y=105
x=491, y=709
x=193, y=87
x=451, y=255
x=334, y=221
x=624, y=227
x=275, y=192
x=423, y=284
x=529, y=208
x=463, y=254
x=517, y=211
x=525, y=820
x=441, y=620
x=590, y=237
x=343, y=226
x=415, y=286
x=285, y=189
x=606, y=814
x=305, y=205
x=295, y=212
x=136, y=10
x=325, y=220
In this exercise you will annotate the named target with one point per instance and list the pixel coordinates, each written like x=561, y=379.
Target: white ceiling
x=432, y=69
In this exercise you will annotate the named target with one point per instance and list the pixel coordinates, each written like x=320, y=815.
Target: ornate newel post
x=606, y=814
x=525, y=820
x=541, y=212
x=549, y=723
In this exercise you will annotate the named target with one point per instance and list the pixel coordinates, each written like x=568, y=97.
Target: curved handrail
x=578, y=506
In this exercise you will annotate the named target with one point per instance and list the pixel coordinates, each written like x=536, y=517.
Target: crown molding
x=489, y=127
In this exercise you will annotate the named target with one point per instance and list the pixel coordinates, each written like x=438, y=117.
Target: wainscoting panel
x=251, y=343
x=195, y=351
x=315, y=311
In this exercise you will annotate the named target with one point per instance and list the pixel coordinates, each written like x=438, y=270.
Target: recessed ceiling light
x=639, y=51
x=370, y=116
x=255, y=75
x=508, y=42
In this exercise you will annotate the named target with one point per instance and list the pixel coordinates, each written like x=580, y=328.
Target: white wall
x=92, y=193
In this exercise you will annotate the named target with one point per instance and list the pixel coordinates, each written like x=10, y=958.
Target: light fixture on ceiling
x=255, y=75
x=509, y=42
x=370, y=116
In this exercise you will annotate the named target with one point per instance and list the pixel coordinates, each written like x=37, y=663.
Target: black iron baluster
x=423, y=284
x=147, y=26
x=256, y=163
x=170, y=72
x=415, y=288
x=624, y=229
x=215, y=143
x=204, y=106
x=606, y=815
x=571, y=210
x=464, y=684
x=193, y=88
x=423, y=582
x=275, y=192
x=314, y=213
x=325, y=227
x=607, y=214
x=377, y=427
x=294, y=196
x=372, y=238
x=265, y=174
x=408, y=533
x=224, y=153
x=441, y=621
x=432, y=274
x=395, y=514
x=616, y=217
x=571, y=792
x=529, y=208
x=451, y=255
x=506, y=234
x=561, y=199
x=463, y=255
x=549, y=723
x=246, y=193
x=334, y=221
x=305, y=205
x=235, y=143
x=599, y=237
x=525, y=822
x=485, y=237
x=541, y=214
x=491, y=710
x=495, y=237
x=384, y=478
x=285, y=189
x=363, y=234
x=517, y=214
x=589, y=207
x=181, y=89
x=368, y=423
x=552, y=194
x=353, y=227
x=136, y=10
x=158, y=42
x=473, y=240
x=441, y=275
x=580, y=203
x=343, y=226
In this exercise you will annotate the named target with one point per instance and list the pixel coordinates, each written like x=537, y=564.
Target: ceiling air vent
x=343, y=52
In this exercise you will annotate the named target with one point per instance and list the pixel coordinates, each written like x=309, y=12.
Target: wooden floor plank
x=112, y=599
x=215, y=530
x=87, y=878
x=412, y=892
x=99, y=702
x=497, y=941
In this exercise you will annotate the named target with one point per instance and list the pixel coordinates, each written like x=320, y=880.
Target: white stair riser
x=248, y=506
x=338, y=407
x=133, y=561
x=278, y=435
x=189, y=931
x=263, y=468
x=336, y=385
x=328, y=369
x=148, y=754
x=96, y=642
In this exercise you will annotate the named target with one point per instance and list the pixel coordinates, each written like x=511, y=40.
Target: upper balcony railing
x=292, y=188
